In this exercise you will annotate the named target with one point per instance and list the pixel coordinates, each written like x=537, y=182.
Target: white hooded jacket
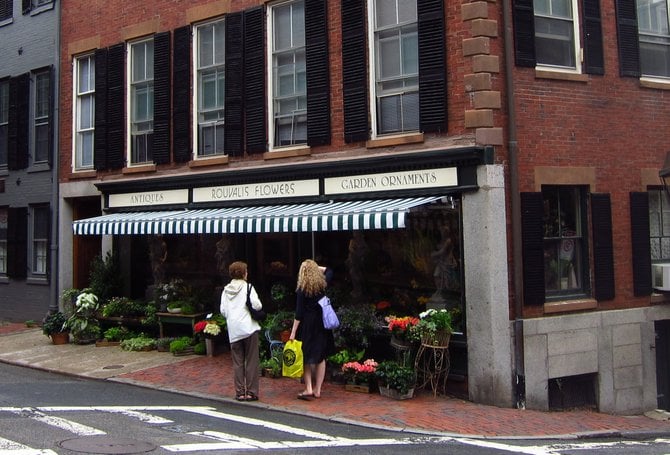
x=234, y=309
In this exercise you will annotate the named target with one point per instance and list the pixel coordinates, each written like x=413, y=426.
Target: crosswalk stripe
x=15, y=448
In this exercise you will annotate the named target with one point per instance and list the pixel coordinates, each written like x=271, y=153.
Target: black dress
x=317, y=342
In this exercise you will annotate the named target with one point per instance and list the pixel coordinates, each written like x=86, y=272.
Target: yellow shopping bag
x=292, y=359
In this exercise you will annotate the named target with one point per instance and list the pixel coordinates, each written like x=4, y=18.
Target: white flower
x=212, y=328
x=87, y=301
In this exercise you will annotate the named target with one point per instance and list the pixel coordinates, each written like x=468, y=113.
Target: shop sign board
x=149, y=198
x=267, y=190
x=392, y=181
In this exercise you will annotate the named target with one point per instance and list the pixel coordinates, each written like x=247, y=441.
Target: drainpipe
x=515, y=205
x=53, y=258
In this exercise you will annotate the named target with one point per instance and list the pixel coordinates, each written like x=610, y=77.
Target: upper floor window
x=395, y=68
x=211, y=52
x=556, y=33
x=4, y=121
x=40, y=240
x=659, y=225
x=84, y=112
x=565, y=253
x=42, y=116
x=6, y=9
x=654, y=35
x=289, y=81
x=3, y=241
x=141, y=101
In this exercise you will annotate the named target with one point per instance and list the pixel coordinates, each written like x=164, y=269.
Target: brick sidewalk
x=211, y=377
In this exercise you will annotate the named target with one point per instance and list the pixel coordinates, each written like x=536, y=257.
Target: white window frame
x=3, y=241
x=577, y=50
x=299, y=115
x=41, y=116
x=408, y=87
x=39, y=246
x=647, y=36
x=659, y=225
x=81, y=93
x=218, y=68
x=141, y=129
x=4, y=122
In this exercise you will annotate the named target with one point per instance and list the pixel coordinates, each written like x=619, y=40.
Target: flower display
x=169, y=292
x=86, y=301
x=211, y=326
x=434, y=326
x=402, y=327
x=359, y=373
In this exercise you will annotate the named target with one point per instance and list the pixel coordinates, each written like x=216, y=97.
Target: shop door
x=662, y=329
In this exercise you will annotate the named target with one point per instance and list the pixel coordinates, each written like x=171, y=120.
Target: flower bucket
x=360, y=388
x=440, y=338
x=400, y=344
x=60, y=338
x=395, y=394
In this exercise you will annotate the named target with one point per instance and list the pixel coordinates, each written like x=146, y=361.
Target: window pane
x=282, y=27
x=211, y=89
x=554, y=44
x=206, y=42
x=40, y=239
x=386, y=13
x=3, y=241
x=655, y=56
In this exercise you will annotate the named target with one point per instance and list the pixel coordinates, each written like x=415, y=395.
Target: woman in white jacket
x=242, y=331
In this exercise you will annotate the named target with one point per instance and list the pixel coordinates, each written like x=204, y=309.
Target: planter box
x=105, y=343
x=394, y=394
x=360, y=388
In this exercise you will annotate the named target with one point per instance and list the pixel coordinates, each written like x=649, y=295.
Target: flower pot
x=360, y=388
x=60, y=338
x=395, y=394
x=284, y=335
x=215, y=347
x=440, y=338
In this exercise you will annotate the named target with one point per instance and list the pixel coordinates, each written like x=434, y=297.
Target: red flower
x=199, y=326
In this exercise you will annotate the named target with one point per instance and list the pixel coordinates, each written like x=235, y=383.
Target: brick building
x=467, y=155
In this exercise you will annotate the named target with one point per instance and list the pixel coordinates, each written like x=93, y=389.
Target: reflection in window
x=396, y=70
x=555, y=37
x=142, y=101
x=659, y=225
x=211, y=88
x=654, y=33
x=40, y=241
x=289, y=83
x=85, y=112
x=42, y=116
x=564, y=247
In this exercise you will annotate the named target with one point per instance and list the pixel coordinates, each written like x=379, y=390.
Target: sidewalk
x=210, y=377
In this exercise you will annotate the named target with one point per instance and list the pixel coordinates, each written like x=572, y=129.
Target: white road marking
x=7, y=446
x=58, y=422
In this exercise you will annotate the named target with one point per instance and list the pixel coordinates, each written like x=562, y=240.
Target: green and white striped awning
x=311, y=217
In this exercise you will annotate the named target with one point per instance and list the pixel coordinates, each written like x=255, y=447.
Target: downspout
x=520, y=394
x=55, y=172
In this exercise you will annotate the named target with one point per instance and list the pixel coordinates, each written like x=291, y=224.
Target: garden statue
x=446, y=267
x=158, y=255
x=357, y=250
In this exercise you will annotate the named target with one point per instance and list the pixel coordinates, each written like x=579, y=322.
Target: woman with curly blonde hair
x=317, y=342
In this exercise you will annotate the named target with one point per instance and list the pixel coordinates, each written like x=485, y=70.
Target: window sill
x=659, y=298
x=39, y=167
x=87, y=174
x=139, y=169
x=560, y=75
x=209, y=161
x=6, y=22
x=400, y=139
x=4, y=279
x=37, y=280
x=288, y=153
x=659, y=84
x=564, y=306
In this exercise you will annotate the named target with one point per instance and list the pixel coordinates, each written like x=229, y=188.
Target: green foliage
x=123, y=307
x=54, y=323
x=345, y=355
x=357, y=324
x=433, y=321
x=189, y=308
x=281, y=320
x=272, y=364
x=200, y=348
x=164, y=342
x=118, y=334
x=140, y=343
x=105, y=277
x=395, y=376
x=181, y=344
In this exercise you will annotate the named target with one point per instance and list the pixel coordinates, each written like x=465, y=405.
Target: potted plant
x=113, y=336
x=210, y=330
x=359, y=375
x=271, y=367
x=401, y=328
x=83, y=323
x=140, y=343
x=434, y=327
x=182, y=346
x=53, y=326
x=281, y=323
x=395, y=380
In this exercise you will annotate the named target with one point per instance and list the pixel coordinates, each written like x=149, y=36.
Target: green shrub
x=181, y=344
x=141, y=343
x=200, y=348
x=118, y=334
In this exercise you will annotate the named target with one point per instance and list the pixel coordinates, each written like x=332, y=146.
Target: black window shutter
x=318, y=77
x=532, y=245
x=26, y=6
x=354, y=71
x=181, y=86
x=17, y=242
x=254, y=82
x=603, y=255
x=19, y=121
x=100, y=137
x=52, y=105
x=162, y=100
x=524, y=33
x=641, y=247
x=594, y=62
x=234, y=84
x=432, y=68
x=116, y=106
x=6, y=9
x=629, y=45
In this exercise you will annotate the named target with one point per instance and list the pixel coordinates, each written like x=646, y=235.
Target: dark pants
x=245, y=365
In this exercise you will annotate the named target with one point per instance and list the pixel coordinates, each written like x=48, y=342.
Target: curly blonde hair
x=311, y=279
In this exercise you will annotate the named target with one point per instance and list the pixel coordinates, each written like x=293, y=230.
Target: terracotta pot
x=284, y=335
x=60, y=338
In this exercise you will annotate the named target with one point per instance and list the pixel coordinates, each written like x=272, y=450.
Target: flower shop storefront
x=392, y=231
